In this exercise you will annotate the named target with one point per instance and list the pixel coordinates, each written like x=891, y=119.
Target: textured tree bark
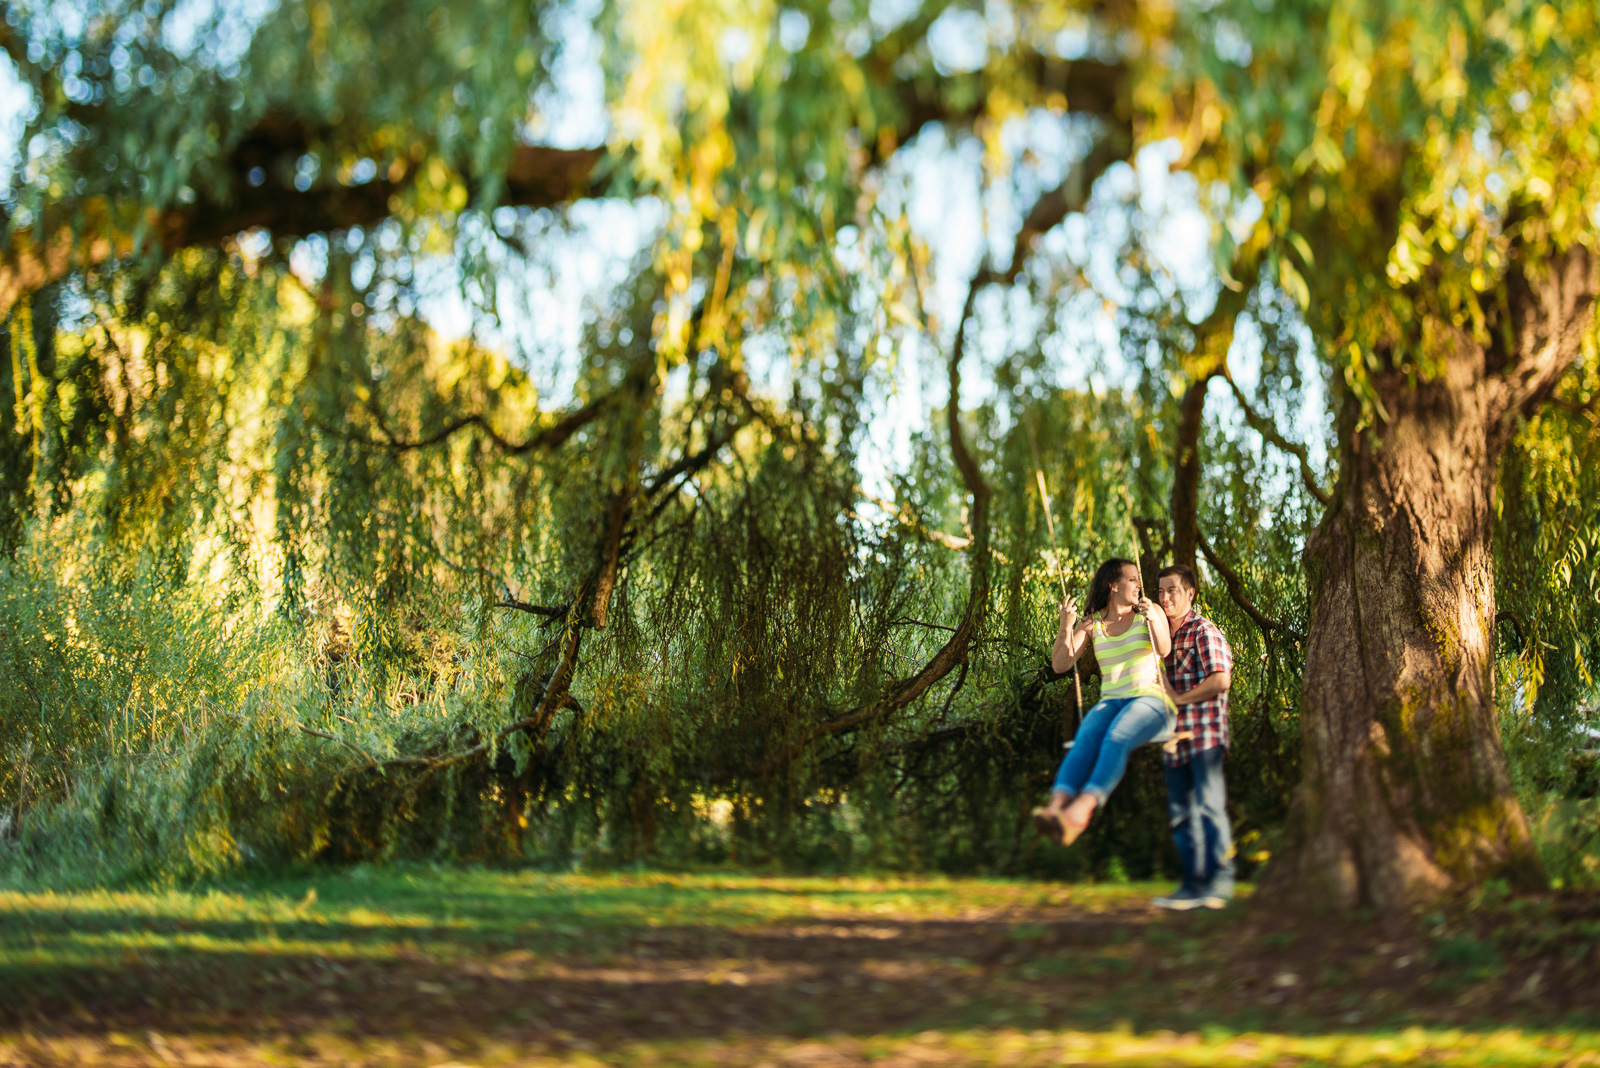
x=1407, y=795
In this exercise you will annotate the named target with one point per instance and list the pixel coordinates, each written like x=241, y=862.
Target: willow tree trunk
x=1406, y=794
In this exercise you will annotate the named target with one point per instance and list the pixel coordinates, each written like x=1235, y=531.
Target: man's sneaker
x=1181, y=901
x=1214, y=901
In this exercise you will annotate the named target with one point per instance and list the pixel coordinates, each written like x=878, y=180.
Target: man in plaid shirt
x=1200, y=669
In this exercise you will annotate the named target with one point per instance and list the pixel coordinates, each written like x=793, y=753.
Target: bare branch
x=555, y=611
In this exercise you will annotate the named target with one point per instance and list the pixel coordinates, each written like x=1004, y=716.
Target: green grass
x=433, y=966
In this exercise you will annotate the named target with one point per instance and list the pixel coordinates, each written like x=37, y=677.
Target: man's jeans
x=1197, y=804
x=1099, y=754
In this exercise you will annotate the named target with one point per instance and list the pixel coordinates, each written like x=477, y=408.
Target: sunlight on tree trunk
x=1406, y=793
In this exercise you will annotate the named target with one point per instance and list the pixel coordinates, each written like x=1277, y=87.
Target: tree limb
x=696, y=461
x=550, y=437
x=533, y=176
x=1071, y=196
x=1269, y=430
x=954, y=651
x=1235, y=587
x=1209, y=358
x=547, y=611
x=1548, y=315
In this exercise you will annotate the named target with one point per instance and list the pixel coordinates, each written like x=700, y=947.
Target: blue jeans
x=1197, y=804
x=1113, y=728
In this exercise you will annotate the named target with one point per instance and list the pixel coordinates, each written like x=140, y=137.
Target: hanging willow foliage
x=288, y=574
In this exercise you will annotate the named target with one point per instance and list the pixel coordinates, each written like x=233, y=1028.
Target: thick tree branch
x=534, y=176
x=1209, y=358
x=1547, y=316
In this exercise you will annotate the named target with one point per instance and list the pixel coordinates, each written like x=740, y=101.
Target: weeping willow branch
x=353, y=747
x=588, y=610
x=909, y=519
x=1208, y=359
x=528, y=176
x=690, y=463
x=1072, y=195
x=1269, y=430
x=550, y=437
x=431, y=764
x=955, y=649
x=1235, y=585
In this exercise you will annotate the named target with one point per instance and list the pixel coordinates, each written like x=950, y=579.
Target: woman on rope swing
x=1133, y=708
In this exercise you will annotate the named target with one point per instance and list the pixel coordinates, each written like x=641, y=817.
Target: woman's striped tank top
x=1128, y=663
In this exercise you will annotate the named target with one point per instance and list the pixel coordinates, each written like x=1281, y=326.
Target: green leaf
x=1302, y=246
x=1293, y=283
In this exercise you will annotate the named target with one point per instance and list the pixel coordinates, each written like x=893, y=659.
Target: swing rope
x=1170, y=738
x=1055, y=549
x=1149, y=627
x=1169, y=743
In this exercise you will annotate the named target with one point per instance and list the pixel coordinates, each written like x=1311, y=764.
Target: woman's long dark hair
x=1100, y=585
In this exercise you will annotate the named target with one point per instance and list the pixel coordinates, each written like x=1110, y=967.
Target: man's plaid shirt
x=1198, y=650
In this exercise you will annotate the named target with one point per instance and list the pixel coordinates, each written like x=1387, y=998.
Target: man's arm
x=1213, y=685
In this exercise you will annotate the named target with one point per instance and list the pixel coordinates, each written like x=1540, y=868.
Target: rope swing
x=1055, y=549
x=1169, y=738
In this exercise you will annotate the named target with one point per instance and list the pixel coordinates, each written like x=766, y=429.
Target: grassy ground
x=435, y=967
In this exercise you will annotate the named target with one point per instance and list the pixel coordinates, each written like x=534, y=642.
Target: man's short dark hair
x=1185, y=575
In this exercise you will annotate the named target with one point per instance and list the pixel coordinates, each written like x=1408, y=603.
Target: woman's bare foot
x=1075, y=818
x=1047, y=821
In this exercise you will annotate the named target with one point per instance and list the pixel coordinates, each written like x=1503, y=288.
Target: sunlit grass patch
x=368, y=913
x=1011, y=1048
